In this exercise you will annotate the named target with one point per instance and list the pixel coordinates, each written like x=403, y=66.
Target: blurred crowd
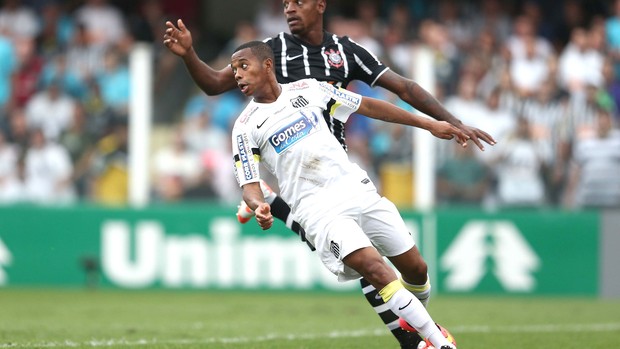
x=542, y=77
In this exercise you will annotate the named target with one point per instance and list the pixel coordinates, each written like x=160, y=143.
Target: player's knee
x=416, y=272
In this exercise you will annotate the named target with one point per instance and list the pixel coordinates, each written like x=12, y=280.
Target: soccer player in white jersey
x=344, y=217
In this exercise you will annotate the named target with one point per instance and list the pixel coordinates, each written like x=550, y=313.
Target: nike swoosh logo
x=261, y=124
x=378, y=297
x=401, y=308
x=289, y=58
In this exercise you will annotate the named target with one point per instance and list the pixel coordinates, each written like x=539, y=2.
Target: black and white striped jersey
x=338, y=61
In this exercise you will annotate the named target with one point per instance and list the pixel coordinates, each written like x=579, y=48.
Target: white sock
x=421, y=292
x=405, y=305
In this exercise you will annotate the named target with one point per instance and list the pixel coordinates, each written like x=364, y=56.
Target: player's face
x=248, y=71
x=302, y=15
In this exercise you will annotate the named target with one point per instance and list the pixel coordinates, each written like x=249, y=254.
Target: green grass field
x=46, y=318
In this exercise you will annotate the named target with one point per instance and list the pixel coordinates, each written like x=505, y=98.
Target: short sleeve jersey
x=338, y=61
x=291, y=139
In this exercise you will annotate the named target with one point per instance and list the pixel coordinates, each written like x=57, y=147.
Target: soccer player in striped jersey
x=311, y=52
x=350, y=224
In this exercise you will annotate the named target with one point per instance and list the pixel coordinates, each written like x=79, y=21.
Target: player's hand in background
x=445, y=130
x=475, y=135
x=263, y=216
x=178, y=39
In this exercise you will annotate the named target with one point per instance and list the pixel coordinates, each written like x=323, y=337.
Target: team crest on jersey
x=299, y=102
x=334, y=58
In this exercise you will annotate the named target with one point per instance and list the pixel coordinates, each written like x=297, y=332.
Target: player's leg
x=407, y=339
x=414, y=273
x=282, y=211
x=368, y=262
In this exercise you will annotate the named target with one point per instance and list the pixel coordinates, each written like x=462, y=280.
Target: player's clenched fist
x=263, y=216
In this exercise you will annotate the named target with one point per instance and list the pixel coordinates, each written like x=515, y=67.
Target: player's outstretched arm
x=178, y=39
x=416, y=96
x=381, y=110
x=253, y=197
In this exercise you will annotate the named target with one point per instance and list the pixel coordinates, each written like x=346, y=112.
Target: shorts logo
x=335, y=248
x=334, y=58
x=299, y=102
x=291, y=134
x=243, y=157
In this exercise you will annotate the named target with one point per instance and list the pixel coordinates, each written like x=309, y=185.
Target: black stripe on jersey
x=255, y=151
x=336, y=127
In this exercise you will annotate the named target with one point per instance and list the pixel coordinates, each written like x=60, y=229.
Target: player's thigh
x=386, y=229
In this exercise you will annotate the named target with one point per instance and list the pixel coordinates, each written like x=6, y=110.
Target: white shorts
x=369, y=220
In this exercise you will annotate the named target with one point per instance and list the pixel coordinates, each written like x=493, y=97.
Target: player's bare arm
x=253, y=197
x=381, y=110
x=416, y=96
x=178, y=39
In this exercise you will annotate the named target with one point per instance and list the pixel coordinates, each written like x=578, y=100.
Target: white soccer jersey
x=291, y=138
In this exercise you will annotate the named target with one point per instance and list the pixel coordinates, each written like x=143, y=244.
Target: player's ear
x=268, y=64
x=321, y=5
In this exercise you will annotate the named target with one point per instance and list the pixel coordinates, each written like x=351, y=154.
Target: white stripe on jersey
x=306, y=63
x=344, y=57
x=361, y=64
x=283, y=55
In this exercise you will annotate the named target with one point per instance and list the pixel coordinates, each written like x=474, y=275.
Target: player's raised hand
x=445, y=130
x=178, y=39
x=263, y=216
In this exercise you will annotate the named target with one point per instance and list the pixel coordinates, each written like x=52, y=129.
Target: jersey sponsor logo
x=298, y=85
x=346, y=98
x=245, y=116
x=299, y=102
x=291, y=134
x=334, y=58
x=244, y=154
x=290, y=58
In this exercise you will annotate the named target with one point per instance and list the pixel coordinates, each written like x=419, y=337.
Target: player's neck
x=313, y=37
x=269, y=93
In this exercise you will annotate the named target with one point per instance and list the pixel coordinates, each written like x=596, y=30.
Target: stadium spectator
x=520, y=162
x=50, y=110
x=579, y=64
x=48, y=171
x=28, y=74
x=107, y=166
x=20, y=21
x=174, y=168
x=17, y=131
x=113, y=81
x=530, y=69
x=462, y=179
x=594, y=179
x=104, y=23
x=79, y=139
